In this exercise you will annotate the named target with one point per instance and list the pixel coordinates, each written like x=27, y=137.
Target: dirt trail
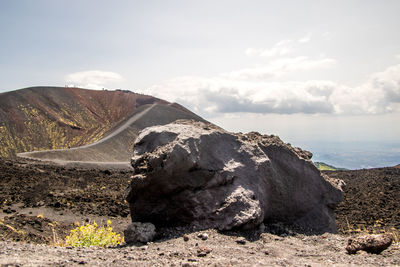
x=120, y=129
x=115, y=148
x=123, y=127
x=220, y=250
x=90, y=164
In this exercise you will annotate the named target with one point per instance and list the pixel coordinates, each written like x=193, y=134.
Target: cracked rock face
x=193, y=173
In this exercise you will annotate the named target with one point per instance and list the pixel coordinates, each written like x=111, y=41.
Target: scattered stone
x=203, y=236
x=139, y=232
x=241, y=240
x=369, y=243
x=185, y=237
x=324, y=236
x=198, y=174
x=9, y=210
x=174, y=254
x=203, y=251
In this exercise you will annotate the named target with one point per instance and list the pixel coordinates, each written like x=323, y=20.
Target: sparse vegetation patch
x=93, y=235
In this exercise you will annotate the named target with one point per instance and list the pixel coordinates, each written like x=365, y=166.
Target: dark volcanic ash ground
x=41, y=200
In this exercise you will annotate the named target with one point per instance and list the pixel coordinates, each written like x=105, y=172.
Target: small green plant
x=93, y=235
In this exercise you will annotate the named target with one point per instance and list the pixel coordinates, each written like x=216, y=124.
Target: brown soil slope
x=117, y=145
x=40, y=118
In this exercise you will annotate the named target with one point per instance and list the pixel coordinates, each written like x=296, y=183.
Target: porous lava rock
x=369, y=243
x=139, y=232
x=197, y=174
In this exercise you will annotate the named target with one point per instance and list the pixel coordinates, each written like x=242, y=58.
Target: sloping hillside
x=40, y=118
x=326, y=167
x=117, y=144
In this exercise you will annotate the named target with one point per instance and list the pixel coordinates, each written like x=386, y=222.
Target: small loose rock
x=241, y=240
x=139, y=232
x=203, y=236
x=203, y=251
x=369, y=243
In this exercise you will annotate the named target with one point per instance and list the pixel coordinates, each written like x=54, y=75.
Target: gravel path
x=120, y=129
x=217, y=250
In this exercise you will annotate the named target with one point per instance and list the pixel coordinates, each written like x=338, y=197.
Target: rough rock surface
x=139, y=232
x=369, y=243
x=193, y=173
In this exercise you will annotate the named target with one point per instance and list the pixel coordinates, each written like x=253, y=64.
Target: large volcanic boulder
x=193, y=173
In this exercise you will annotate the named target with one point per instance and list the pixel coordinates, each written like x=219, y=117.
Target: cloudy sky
x=309, y=71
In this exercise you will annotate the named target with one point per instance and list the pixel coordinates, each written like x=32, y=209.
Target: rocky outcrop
x=193, y=173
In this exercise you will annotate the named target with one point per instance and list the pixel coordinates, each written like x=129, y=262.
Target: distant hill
x=43, y=118
x=117, y=145
x=326, y=167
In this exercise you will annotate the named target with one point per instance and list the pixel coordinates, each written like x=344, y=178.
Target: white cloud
x=257, y=90
x=305, y=39
x=280, y=67
x=397, y=56
x=327, y=35
x=93, y=79
x=212, y=96
x=281, y=48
